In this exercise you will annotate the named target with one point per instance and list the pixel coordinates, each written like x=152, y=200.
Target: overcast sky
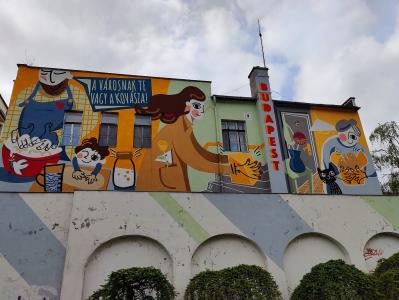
x=317, y=50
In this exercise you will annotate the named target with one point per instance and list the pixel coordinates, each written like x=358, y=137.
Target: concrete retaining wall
x=62, y=246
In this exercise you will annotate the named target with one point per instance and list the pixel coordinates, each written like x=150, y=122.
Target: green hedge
x=238, y=283
x=388, y=284
x=137, y=284
x=391, y=263
x=386, y=275
x=336, y=280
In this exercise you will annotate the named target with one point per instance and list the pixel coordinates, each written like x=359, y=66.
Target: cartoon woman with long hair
x=164, y=167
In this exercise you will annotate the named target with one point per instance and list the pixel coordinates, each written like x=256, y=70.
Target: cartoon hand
x=44, y=144
x=78, y=175
x=250, y=169
x=23, y=141
x=359, y=175
x=91, y=178
x=350, y=174
x=18, y=166
x=221, y=149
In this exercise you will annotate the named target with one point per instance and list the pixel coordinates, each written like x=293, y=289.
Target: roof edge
x=257, y=68
x=98, y=72
x=234, y=98
x=286, y=103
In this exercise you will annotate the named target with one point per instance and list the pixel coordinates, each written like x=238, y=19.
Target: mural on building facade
x=270, y=133
x=341, y=144
x=71, y=131
x=326, y=152
x=329, y=177
x=301, y=163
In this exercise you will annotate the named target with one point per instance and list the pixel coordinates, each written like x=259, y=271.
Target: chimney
x=260, y=89
x=350, y=102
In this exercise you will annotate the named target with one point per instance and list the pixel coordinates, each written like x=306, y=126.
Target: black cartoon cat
x=329, y=176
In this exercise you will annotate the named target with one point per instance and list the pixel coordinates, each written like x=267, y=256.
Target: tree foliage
x=336, y=280
x=135, y=284
x=385, y=139
x=238, y=283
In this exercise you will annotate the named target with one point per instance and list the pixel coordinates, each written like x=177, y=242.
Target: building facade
x=77, y=130
x=106, y=171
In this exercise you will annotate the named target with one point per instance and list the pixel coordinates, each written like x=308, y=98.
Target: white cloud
x=333, y=45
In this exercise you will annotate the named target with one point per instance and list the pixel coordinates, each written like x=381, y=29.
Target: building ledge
x=234, y=98
x=306, y=105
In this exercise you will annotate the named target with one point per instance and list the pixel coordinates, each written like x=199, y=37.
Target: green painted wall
x=208, y=129
x=387, y=206
x=236, y=111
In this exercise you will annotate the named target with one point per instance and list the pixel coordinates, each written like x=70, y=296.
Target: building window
x=72, y=126
x=234, y=136
x=108, y=129
x=142, y=131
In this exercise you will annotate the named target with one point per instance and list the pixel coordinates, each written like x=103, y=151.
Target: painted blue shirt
x=371, y=185
x=76, y=166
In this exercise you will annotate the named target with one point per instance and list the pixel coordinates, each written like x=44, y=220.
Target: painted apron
x=40, y=119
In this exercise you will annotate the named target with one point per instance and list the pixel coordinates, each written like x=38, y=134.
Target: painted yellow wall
x=332, y=117
x=32, y=102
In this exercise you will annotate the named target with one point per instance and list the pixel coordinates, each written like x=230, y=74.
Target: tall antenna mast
x=261, y=43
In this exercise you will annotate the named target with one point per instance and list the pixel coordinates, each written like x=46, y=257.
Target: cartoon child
x=89, y=154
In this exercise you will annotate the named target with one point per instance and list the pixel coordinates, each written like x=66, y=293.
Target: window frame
x=108, y=126
x=227, y=132
x=143, y=139
x=65, y=122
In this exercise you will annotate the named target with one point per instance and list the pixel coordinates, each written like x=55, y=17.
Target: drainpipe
x=218, y=138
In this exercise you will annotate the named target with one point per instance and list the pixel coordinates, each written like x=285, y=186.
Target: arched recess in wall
x=124, y=252
x=306, y=251
x=381, y=245
x=227, y=250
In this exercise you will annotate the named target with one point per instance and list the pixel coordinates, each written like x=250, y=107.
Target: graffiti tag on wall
x=371, y=252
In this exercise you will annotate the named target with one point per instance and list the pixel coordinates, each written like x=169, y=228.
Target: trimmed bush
x=335, y=280
x=390, y=263
x=238, y=283
x=135, y=283
x=388, y=284
x=386, y=275
x=203, y=285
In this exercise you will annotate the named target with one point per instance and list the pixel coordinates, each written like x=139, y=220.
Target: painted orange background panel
x=28, y=77
x=332, y=117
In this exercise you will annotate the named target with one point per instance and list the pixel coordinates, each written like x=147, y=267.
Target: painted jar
x=124, y=172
